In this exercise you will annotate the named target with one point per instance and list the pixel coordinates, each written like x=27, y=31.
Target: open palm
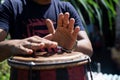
x=65, y=34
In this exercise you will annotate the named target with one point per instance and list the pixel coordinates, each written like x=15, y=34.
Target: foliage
x=4, y=71
x=94, y=11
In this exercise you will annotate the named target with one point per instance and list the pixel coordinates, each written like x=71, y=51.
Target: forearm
x=85, y=47
x=26, y=46
x=5, y=50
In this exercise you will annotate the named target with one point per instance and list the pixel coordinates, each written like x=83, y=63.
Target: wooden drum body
x=48, y=66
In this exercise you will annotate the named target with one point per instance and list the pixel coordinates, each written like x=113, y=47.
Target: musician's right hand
x=28, y=45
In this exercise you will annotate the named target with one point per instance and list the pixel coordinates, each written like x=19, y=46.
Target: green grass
x=4, y=70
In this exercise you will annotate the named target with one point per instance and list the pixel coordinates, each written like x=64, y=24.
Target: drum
x=49, y=66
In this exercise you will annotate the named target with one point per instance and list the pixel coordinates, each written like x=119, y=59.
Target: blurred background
x=101, y=19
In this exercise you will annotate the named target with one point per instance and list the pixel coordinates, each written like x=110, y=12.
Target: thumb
x=49, y=37
x=50, y=26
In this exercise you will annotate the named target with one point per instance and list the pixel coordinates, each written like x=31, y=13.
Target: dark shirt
x=25, y=18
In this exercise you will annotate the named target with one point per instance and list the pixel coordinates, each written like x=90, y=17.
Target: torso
x=44, y=2
x=27, y=18
x=32, y=19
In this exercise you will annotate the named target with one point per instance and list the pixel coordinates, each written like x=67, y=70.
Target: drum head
x=44, y=60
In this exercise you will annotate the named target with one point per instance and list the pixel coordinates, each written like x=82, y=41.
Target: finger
x=50, y=50
x=25, y=50
x=77, y=29
x=54, y=45
x=71, y=24
x=49, y=37
x=51, y=44
x=50, y=26
x=47, y=43
x=66, y=19
x=37, y=46
x=35, y=39
x=60, y=20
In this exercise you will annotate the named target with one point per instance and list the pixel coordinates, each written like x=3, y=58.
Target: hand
x=65, y=34
x=28, y=45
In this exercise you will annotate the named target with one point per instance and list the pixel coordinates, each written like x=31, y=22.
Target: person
x=40, y=24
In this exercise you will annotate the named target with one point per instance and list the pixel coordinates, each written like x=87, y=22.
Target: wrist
x=75, y=45
x=69, y=50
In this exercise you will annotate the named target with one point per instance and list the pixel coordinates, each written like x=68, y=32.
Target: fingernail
x=30, y=51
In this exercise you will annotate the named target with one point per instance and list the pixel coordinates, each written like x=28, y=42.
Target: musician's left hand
x=65, y=34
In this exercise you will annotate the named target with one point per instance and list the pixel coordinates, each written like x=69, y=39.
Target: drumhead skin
x=45, y=60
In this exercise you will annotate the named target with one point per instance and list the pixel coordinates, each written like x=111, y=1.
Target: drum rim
x=33, y=65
